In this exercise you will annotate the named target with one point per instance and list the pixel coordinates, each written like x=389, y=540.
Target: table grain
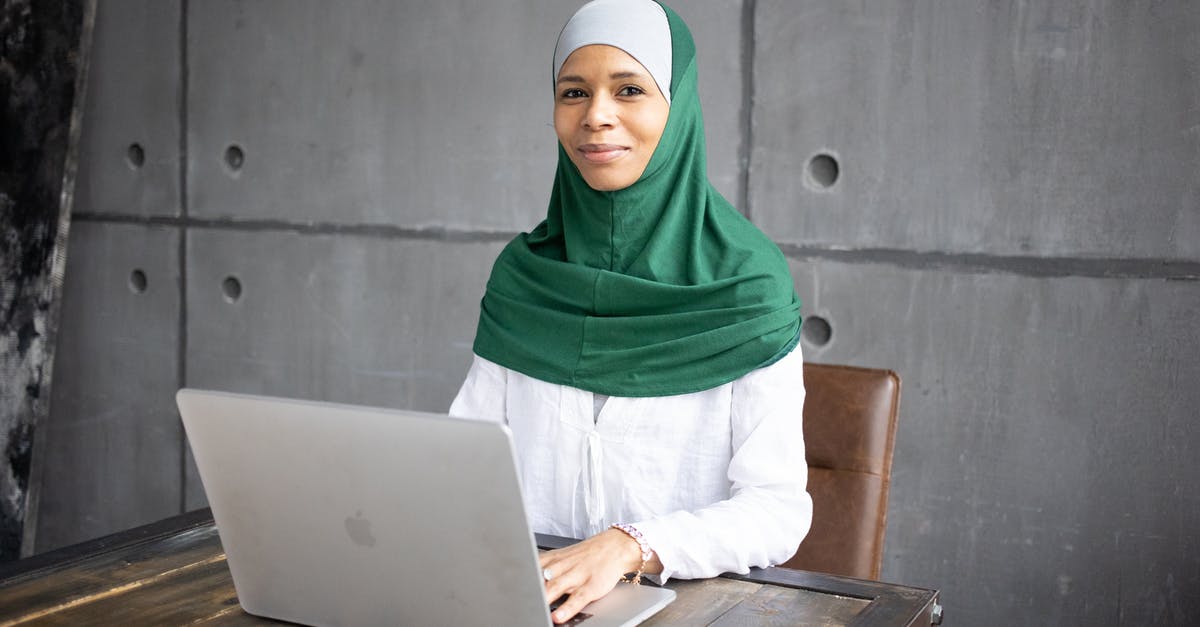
x=174, y=573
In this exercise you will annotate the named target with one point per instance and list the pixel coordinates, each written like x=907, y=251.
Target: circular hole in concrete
x=135, y=155
x=234, y=157
x=816, y=331
x=137, y=281
x=232, y=288
x=823, y=170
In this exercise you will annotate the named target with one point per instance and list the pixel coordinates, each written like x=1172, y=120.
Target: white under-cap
x=639, y=27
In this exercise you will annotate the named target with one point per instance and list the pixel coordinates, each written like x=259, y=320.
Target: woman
x=641, y=342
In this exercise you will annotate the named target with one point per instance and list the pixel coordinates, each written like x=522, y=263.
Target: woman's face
x=609, y=115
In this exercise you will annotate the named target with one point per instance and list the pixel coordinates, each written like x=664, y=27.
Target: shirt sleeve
x=769, y=510
x=483, y=393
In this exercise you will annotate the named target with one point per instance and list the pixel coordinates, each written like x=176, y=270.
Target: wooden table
x=173, y=572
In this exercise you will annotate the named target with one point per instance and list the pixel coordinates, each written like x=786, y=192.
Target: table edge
x=889, y=602
x=894, y=601
x=56, y=559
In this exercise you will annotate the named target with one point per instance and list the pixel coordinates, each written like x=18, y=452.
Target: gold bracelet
x=643, y=546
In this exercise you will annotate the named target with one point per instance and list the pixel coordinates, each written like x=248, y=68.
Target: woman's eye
x=573, y=93
x=631, y=90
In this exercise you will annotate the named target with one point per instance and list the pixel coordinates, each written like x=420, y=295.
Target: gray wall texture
x=304, y=199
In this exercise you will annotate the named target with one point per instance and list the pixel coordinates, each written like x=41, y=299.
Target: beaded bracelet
x=644, y=546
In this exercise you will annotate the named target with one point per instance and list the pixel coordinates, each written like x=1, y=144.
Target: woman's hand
x=590, y=569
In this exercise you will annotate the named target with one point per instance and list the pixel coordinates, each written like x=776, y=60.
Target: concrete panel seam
x=181, y=331
x=182, y=95
x=984, y=263
x=1029, y=266
x=746, y=145
x=382, y=231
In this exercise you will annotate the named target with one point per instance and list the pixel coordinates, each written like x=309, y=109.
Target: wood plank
x=817, y=582
x=701, y=601
x=774, y=605
x=234, y=616
x=110, y=574
x=890, y=604
x=160, y=576
x=56, y=560
x=895, y=608
x=175, y=597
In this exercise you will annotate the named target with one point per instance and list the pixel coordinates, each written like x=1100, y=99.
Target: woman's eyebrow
x=573, y=78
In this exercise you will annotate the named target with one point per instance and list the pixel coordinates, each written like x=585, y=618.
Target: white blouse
x=715, y=480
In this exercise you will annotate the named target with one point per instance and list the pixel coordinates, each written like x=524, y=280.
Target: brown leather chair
x=849, y=433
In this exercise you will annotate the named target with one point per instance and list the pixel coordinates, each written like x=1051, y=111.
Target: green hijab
x=657, y=289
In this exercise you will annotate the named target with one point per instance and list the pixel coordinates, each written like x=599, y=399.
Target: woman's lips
x=602, y=153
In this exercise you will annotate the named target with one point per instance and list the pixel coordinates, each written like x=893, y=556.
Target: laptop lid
x=338, y=514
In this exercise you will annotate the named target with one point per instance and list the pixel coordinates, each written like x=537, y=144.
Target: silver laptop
x=342, y=515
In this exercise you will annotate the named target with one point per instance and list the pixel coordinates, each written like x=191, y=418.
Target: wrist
x=630, y=552
x=638, y=551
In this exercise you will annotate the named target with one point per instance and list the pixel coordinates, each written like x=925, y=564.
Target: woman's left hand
x=588, y=570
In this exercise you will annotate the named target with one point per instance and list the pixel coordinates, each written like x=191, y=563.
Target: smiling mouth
x=602, y=153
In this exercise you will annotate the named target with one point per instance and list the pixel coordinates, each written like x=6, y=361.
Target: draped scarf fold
x=657, y=289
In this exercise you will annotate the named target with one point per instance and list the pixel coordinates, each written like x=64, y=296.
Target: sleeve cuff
x=658, y=536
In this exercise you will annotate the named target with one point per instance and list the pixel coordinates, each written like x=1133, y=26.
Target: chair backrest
x=849, y=434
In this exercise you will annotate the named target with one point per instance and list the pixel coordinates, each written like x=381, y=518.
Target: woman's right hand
x=590, y=569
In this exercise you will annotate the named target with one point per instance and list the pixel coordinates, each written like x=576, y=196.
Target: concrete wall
x=1014, y=228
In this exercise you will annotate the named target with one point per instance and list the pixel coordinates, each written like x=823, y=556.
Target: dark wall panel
x=1028, y=173
x=1047, y=128
x=360, y=320
x=113, y=440
x=339, y=318
x=1045, y=459
x=389, y=113
x=130, y=149
x=376, y=112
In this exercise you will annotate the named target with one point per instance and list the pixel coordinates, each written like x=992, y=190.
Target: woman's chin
x=602, y=183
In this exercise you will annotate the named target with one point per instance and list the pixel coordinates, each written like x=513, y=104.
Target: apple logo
x=359, y=529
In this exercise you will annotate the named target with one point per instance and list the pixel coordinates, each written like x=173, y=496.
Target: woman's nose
x=601, y=113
